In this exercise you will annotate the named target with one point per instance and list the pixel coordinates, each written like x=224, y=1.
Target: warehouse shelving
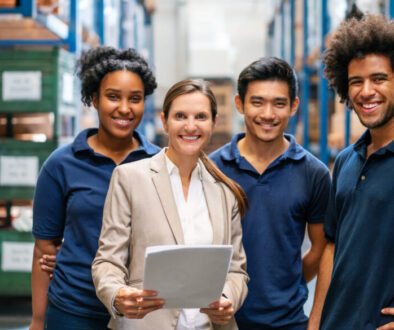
x=63, y=34
x=44, y=48
x=283, y=42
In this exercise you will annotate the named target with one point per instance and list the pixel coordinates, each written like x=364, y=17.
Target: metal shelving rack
x=67, y=34
x=44, y=68
x=53, y=56
x=279, y=35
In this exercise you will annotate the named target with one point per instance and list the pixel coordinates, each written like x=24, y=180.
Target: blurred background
x=40, y=106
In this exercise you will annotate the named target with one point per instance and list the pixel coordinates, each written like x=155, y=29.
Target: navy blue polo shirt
x=68, y=203
x=292, y=191
x=360, y=221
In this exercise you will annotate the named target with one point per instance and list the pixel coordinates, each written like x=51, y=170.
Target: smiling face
x=266, y=109
x=120, y=104
x=189, y=126
x=371, y=90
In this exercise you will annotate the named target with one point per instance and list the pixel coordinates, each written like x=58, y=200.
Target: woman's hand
x=48, y=261
x=220, y=312
x=387, y=311
x=130, y=302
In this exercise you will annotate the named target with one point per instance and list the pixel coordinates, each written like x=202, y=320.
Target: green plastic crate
x=54, y=68
x=16, y=250
x=15, y=148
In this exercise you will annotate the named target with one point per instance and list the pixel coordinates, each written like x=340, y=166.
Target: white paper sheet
x=187, y=276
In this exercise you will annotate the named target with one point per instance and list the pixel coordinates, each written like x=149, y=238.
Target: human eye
x=112, y=96
x=355, y=82
x=179, y=115
x=202, y=116
x=135, y=99
x=379, y=79
x=280, y=104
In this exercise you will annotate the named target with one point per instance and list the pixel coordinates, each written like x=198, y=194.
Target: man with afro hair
x=355, y=286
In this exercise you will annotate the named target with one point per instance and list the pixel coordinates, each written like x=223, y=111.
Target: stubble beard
x=381, y=121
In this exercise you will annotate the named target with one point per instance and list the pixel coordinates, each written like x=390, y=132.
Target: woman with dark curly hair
x=73, y=183
x=355, y=287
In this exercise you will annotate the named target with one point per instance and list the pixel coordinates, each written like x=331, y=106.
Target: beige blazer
x=140, y=211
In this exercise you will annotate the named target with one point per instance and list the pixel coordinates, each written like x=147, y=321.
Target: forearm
x=39, y=286
x=40, y=280
x=311, y=259
x=310, y=264
x=323, y=282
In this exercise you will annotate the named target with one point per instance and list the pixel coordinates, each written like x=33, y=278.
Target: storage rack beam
x=74, y=29
x=391, y=9
x=68, y=34
x=282, y=30
x=26, y=8
x=305, y=80
x=323, y=89
x=99, y=20
x=124, y=8
x=347, y=111
x=293, y=120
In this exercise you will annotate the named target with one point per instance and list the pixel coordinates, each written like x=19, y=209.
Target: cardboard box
x=224, y=94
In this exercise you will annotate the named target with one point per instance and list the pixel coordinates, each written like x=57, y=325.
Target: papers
x=187, y=276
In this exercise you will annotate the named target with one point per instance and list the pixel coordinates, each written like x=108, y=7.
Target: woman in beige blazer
x=142, y=209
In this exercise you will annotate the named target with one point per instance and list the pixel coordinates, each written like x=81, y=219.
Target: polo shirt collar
x=80, y=143
x=365, y=139
x=294, y=151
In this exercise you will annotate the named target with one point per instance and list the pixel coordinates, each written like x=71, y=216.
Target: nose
x=268, y=112
x=367, y=89
x=190, y=124
x=124, y=107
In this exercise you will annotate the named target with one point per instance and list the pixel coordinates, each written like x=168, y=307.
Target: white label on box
x=21, y=85
x=68, y=88
x=17, y=256
x=18, y=170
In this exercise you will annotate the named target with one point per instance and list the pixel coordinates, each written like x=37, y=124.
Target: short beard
x=381, y=121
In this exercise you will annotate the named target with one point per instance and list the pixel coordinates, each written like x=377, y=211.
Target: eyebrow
x=260, y=98
x=118, y=91
x=376, y=74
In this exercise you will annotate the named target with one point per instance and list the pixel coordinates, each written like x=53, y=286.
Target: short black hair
x=268, y=68
x=355, y=39
x=97, y=62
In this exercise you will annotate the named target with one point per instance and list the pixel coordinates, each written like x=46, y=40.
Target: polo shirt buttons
x=362, y=177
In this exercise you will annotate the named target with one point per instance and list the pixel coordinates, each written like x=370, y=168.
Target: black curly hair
x=94, y=64
x=356, y=38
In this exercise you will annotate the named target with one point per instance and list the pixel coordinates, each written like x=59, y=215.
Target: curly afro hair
x=97, y=62
x=356, y=38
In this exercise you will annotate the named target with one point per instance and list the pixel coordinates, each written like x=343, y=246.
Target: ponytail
x=234, y=187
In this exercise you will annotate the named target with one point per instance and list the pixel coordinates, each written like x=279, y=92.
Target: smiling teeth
x=370, y=106
x=190, y=137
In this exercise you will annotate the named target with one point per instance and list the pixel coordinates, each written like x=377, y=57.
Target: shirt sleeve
x=48, y=207
x=320, y=190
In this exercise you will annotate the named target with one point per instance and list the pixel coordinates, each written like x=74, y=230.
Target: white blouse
x=197, y=230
